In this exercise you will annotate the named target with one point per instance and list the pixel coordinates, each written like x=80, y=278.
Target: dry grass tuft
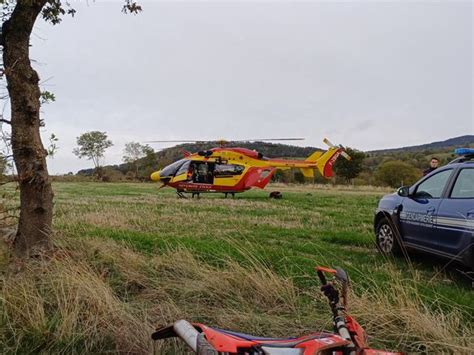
x=97, y=296
x=177, y=284
x=62, y=304
x=397, y=314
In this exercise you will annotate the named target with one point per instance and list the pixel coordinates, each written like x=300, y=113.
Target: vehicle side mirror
x=404, y=191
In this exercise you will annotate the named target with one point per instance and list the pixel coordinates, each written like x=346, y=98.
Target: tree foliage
x=92, y=145
x=396, y=173
x=4, y=166
x=134, y=152
x=52, y=147
x=350, y=169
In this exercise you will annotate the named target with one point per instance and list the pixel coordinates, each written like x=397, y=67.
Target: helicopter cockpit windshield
x=170, y=170
x=184, y=168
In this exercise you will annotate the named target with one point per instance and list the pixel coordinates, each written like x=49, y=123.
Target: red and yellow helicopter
x=233, y=170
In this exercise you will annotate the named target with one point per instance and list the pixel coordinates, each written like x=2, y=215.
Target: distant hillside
x=462, y=141
x=272, y=150
x=168, y=155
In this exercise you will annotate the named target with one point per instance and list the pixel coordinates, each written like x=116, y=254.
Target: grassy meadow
x=131, y=257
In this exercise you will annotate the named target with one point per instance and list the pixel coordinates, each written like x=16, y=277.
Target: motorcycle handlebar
x=321, y=270
x=333, y=296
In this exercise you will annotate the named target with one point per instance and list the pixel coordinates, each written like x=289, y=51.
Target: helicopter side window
x=228, y=170
x=202, y=173
x=170, y=170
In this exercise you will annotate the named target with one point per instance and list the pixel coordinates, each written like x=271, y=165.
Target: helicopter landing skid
x=180, y=194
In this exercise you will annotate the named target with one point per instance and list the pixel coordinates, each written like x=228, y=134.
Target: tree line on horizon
x=380, y=168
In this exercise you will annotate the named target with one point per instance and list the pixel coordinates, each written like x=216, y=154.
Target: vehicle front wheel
x=385, y=237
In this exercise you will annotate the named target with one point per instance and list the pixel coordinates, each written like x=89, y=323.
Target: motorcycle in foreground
x=348, y=336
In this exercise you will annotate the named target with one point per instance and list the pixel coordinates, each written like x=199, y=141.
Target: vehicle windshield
x=170, y=170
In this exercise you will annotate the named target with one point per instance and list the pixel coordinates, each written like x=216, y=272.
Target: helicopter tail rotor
x=325, y=161
x=343, y=153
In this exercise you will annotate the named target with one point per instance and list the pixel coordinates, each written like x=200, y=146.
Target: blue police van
x=435, y=215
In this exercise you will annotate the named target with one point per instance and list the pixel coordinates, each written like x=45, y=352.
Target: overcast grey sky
x=363, y=73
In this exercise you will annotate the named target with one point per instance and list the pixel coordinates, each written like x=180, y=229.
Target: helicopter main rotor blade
x=174, y=141
x=224, y=140
x=268, y=139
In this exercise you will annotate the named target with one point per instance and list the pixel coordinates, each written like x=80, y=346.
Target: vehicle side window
x=433, y=186
x=464, y=185
x=222, y=170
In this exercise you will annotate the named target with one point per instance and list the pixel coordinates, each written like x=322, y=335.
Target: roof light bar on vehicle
x=464, y=151
x=464, y=154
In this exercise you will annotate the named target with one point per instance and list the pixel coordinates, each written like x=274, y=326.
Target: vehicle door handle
x=431, y=210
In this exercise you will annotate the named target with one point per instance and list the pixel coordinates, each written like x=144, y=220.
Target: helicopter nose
x=155, y=176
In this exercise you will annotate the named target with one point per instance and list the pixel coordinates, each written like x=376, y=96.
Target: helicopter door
x=183, y=173
x=203, y=173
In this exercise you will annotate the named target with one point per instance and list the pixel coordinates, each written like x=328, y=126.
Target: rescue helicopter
x=233, y=170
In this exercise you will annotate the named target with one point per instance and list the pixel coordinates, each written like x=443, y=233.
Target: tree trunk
x=36, y=195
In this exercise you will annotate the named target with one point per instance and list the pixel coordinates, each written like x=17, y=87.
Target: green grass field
x=287, y=238
x=310, y=226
